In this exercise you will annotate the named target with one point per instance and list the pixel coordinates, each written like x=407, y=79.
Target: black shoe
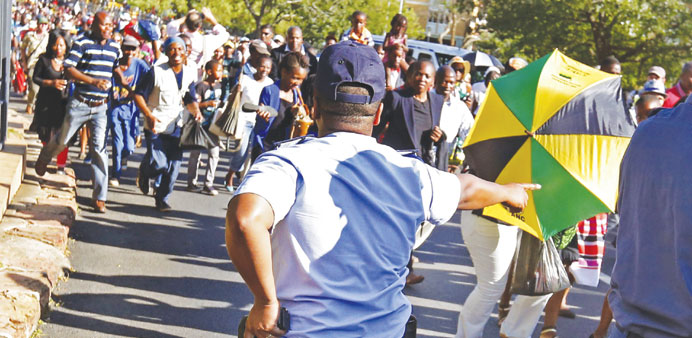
x=143, y=183
x=163, y=206
x=40, y=168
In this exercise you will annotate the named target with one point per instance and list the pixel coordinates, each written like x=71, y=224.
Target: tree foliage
x=639, y=33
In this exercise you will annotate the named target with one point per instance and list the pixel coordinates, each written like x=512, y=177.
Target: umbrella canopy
x=480, y=59
x=558, y=123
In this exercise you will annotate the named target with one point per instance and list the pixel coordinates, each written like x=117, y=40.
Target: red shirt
x=675, y=93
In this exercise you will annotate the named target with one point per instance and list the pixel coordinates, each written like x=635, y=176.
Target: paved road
x=141, y=273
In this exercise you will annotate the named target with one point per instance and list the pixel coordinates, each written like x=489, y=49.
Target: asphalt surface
x=142, y=273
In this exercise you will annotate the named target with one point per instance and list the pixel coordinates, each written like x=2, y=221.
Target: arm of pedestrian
x=193, y=108
x=209, y=16
x=120, y=79
x=436, y=134
x=248, y=220
x=142, y=105
x=73, y=73
x=477, y=193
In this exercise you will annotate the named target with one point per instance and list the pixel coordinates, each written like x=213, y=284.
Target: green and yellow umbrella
x=559, y=123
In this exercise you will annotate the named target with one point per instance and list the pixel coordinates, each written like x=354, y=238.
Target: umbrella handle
x=528, y=133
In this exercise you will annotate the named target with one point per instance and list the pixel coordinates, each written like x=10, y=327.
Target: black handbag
x=194, y=137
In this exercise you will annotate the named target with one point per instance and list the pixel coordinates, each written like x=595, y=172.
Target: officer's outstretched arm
x=477, y=193
x=248, y=220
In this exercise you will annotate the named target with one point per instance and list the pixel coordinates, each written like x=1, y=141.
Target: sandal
x=548, y=332
x=502, y=313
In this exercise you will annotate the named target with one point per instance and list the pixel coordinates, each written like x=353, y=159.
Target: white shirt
x=346, y=210
x=204, y=45
x=455, y=119
x=251, y=93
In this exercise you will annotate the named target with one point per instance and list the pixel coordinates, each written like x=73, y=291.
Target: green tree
x=639, y=33
x=319, y=18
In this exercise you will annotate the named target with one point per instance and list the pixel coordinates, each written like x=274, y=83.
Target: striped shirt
x=94, y=60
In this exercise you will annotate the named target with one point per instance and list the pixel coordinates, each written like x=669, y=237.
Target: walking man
x=92, y=62
x=162, y=95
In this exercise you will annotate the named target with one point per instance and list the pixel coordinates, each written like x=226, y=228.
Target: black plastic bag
x=193, y=136
x=538, y=269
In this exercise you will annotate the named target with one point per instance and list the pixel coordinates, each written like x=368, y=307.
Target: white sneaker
x=114, y=182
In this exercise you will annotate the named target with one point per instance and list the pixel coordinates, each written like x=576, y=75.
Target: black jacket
x=278, y=54
x=398, y=113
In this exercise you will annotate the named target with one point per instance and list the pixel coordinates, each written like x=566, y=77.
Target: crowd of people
x=388, y=152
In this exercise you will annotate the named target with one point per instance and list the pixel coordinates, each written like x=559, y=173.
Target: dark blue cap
x=349, y=62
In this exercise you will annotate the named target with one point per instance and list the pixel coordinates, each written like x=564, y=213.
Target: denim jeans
x=79, y=113
x=163, y=159
x=123, y=141
x=238, y=157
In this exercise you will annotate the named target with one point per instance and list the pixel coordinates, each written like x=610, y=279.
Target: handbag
x=194, y=137
x=538, y=269
x=227, y=124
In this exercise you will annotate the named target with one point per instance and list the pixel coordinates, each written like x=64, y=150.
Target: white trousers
x=491, y=247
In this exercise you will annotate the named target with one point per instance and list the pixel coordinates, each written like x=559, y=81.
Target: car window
x=424, y=56
x=443, y=59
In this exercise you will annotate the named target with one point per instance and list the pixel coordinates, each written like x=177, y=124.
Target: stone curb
x=33, y=243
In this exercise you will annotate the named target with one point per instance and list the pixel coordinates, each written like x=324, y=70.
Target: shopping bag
x=590, y=234
x=227, y=124
x=538, y=269
x=19, y=82
x=193, y=136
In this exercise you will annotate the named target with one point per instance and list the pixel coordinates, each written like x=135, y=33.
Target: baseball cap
x=349, y=62
x=654, y=87
x=131, y=41
x=259, y=46
x=278, y=39
x=244, y=39
x=658, y=71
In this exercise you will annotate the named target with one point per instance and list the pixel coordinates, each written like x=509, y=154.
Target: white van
x=437, y=53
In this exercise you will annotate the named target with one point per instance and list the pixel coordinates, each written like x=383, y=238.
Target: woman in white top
x=251, y=87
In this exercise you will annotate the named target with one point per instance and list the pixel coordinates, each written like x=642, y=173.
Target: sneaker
x=193, y=188
x=123, y=164
x=143, y=183
x=229, y=188
x=87, y=159
x=163, y=206
x=114, y=182
x=210, y=191
x=61, y=171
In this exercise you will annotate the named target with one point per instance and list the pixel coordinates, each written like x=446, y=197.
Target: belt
x=90, y=103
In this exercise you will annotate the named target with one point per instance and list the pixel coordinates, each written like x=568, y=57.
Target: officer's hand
x=517, y=196
x=261, y=322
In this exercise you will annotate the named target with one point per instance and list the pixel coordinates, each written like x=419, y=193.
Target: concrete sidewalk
x=33, y=229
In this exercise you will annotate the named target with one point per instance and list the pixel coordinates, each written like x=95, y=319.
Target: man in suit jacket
x=294, y=43
x=412, y=114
